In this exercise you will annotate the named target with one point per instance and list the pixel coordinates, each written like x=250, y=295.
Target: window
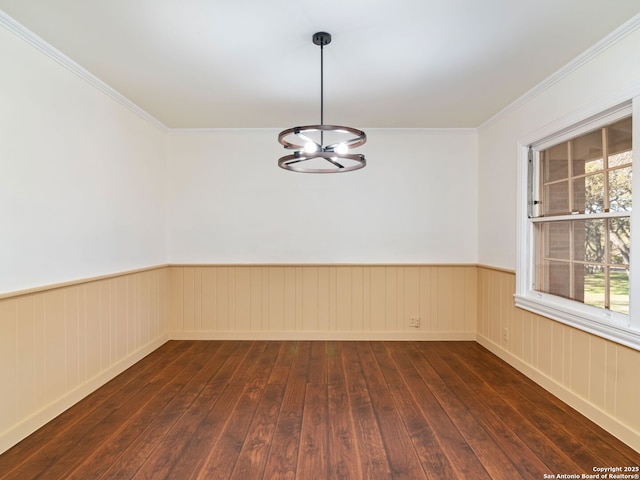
x=585, y=258
x=575, y=261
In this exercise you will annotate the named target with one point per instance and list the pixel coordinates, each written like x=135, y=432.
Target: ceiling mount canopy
x=322, y=148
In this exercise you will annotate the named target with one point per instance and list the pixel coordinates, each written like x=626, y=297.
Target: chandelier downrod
x=322, y=92
x=322, y=39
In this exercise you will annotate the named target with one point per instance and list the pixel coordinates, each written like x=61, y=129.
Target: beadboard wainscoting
x=60, y=343
x=597, y=377
x=368, y=302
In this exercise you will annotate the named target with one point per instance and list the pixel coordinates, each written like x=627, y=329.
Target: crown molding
x=425, y=130
x=400, y=131
x=221, y=131
x=56, y=55
x=614, y=37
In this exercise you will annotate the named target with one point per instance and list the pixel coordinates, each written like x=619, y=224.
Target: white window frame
x=620, y=328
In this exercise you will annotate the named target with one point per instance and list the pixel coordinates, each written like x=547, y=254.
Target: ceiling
x=252, y=64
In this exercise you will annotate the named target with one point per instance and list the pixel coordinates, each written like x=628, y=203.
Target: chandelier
x=322, y=148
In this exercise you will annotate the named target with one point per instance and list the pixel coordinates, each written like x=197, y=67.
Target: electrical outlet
x=414, y=322
x=505, y=334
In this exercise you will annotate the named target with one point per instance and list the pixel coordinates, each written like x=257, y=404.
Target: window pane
x=619, y=240
x=588, y=194
x=593, y=166
x=556, y=163
x=620, y=190
x=619, y=286
x=578, y=282
x=587, y=153
x=557, y=279
x=594, y=285
x=619, y=138
x=556, y=239
x=556, y=198
x=579, y=195
x=620, y=158
x=589, y=240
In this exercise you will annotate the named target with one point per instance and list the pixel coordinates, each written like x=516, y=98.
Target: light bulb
x=342, y=148
x=310, y=147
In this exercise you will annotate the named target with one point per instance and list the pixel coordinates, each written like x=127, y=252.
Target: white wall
x=81, y=177
x=414, y=202
x=613, y=70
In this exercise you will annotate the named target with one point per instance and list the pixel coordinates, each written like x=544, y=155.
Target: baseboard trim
x=30, y=424
x=593, y=413
x=253, y=335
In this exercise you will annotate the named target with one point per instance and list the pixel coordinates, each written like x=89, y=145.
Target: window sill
x=582, y=317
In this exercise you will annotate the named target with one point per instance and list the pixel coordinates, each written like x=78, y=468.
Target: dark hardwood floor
x=316, y=410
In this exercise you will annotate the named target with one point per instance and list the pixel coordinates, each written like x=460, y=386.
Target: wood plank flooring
x=314, y=410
